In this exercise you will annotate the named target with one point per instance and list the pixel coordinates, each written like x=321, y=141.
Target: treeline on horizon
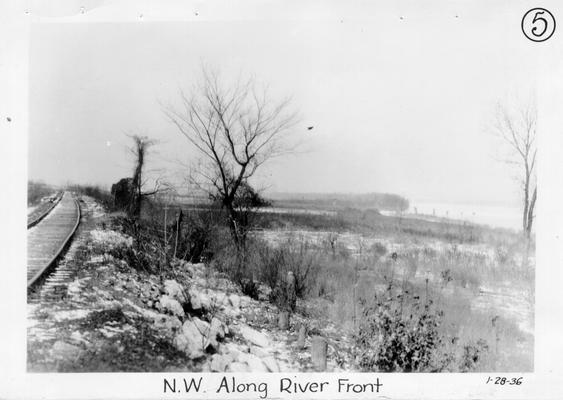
x=331, y=201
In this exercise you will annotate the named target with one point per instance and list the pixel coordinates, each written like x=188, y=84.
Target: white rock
x=258, y=351
x=206, y=330
x=218, y=329
x=271, y=363
x=254, y=337
x=171, y=305
x=96, y=259
x=219, y=298
x=168, y=323
x=231, y=350
x=195, y=269
x=191, y=339
x=77, y=338
x=219, y=363
x=199, y=300
x=110, y=239
x=62, y=350
x=206, y=368
x=234, y=300
x=254, y=363
x=232, y=312
x=174, y=290
x=237, y=367
x=203, y=326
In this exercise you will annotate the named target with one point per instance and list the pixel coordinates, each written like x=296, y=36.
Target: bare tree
x=139, y=149
x=517, y=128
x=236, y=129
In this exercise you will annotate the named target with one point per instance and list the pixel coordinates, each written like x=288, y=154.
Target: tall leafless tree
x=236, y=128
x=139, y=149
x=517, y=127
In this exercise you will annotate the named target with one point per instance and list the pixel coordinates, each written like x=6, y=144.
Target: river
x=498, y=216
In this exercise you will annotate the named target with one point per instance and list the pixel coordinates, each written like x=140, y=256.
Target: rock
x=191, y=339
x=220, y=298
x=271, y=363
x=63, y=350
x=232, y=312
x=173, y=306
x=218, y=329
x=254, y=337
x=234, y=300
x=254, y=363
x=208, y=332
x=199, y=300
x=250, y=316
x=219, y=363
x=237, y=367
x=195, y=269
x=203, y=326
x=174, y=290
x=258, y=351
x=96, y=259
x=77, y=337
x=168, y=323
x=230, y=350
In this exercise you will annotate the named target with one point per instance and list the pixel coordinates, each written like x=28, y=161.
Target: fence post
x=283, y=320
x=291, y=291
x=302, y=336
x=318, y=353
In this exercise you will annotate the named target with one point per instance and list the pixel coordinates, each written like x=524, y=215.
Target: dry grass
x=454, y=275
x=482, y=279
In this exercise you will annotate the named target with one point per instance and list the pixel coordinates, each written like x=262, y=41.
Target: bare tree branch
x=517, y=129
x=236, y=128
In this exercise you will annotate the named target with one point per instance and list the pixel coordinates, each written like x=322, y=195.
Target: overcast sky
x=397, y=105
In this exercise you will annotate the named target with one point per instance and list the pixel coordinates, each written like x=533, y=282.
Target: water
x=498, y=216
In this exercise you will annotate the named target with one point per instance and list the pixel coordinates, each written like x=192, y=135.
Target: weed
x=398, y=333
x=472, y=354
x=379, y=249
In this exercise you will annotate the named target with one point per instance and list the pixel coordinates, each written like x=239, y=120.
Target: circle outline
x=539, y=9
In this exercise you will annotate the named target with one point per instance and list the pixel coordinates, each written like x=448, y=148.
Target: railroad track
x=49, y=238
x=37, y=216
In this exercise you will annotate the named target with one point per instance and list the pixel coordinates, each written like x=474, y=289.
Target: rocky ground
x=100, y=314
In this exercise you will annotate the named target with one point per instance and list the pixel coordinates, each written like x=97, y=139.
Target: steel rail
x=45, y=213
x=42, y=273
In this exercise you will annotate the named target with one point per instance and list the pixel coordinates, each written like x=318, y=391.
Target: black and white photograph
x=288, y=189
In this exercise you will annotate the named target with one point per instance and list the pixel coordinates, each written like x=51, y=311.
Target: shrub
x=147, y=252
x=237, y=265
x=501, y=255
x=272, y=266
x=446, y=276
x=99, y=194
x=472, y=354
x=269, y=262
x=462, y=268
x=249, y=287
x=399, y=333
x=261, y=263
x=379, y=249
x=199, y=234
x=36, y=191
